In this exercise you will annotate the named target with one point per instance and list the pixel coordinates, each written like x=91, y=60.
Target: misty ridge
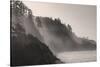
x=37, y=40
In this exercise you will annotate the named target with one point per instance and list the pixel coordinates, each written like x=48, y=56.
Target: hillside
x=26, y=49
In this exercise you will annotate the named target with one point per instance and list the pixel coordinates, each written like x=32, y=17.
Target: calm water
x=77, y=56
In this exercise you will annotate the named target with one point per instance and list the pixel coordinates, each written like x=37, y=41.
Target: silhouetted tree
x=69, y=27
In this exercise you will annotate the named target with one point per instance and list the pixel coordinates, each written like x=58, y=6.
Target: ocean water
x=77, y=56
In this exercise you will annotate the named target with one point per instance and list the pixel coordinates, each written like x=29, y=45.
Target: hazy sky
x=82, y=18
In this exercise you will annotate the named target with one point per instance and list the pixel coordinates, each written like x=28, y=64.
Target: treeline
x=55, y=25
x=19, y=8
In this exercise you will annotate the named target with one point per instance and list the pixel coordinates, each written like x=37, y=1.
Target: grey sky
x=82, y=18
